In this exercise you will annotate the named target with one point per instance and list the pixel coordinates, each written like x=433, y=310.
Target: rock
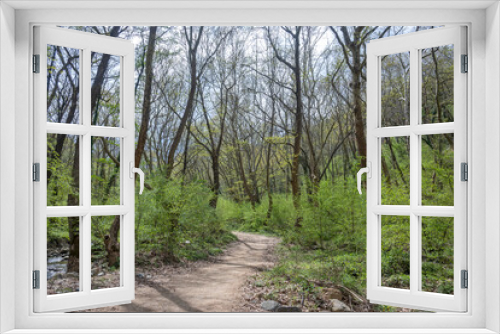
x=288, y=309
x=270, y=305
x=332, y=293
x=100, y=274
x=338, y=306
x=148, y=276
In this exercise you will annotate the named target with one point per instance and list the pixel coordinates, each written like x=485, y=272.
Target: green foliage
x=57, y=230
x=331, y=244
x=175, y=221
x=60, y=167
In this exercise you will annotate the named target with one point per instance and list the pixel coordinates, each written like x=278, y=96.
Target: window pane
x=437, y=254
x=105, y=171
x=105, y=100
x=63, y=255
x=395, y=163
x=437, y=84
x=395, y=89
x=63, y=85
x=63, y=170
x=395, y=250
x=437, y=170
x=105, y=252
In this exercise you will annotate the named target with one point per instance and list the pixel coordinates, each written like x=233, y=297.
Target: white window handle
x=134, y=170
x=368, y=171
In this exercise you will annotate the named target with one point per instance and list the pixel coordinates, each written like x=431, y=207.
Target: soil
x=203, y=286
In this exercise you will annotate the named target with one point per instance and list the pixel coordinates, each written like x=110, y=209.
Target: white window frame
x=484, y=103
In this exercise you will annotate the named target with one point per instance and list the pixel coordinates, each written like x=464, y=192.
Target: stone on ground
x=338, y=306
x=270, y=305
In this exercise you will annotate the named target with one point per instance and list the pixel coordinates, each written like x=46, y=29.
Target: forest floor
x=203, y=286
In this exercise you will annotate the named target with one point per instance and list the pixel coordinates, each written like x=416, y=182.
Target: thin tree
x=295, y=67
x=353, y=43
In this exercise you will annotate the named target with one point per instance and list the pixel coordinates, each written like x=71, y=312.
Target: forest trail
x=210, y=287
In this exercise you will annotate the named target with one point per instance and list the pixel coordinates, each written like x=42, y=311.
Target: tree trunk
x=192, y=50
x=352, y=49
x=243, y=177
x=298, y=131
x=111, y=243
x=268, y=167
x=438, y=97
x=216, y=183
x=146, y=106
x=357, y=71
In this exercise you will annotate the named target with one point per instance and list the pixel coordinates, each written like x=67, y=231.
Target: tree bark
x=192, y=53
x=216, y=183
x=111, y=243
x=146, y=106
x=352, y=50
x=299, y=114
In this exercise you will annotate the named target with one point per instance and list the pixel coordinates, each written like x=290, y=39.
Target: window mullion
x=86, y=164
x=414, y=172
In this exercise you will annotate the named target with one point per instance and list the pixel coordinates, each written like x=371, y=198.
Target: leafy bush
x=175, y=221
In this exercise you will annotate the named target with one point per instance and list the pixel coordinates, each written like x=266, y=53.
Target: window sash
x=414, y=298
x=86, y=297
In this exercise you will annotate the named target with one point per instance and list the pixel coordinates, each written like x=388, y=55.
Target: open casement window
x=416, y=129
x=84, y=151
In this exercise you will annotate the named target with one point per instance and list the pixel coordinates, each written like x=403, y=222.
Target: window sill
x=252, y=331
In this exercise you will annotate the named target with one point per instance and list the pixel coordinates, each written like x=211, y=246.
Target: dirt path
x=209, y=287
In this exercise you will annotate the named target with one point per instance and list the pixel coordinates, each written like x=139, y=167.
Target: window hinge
x=464, y=168
x=36, y=172
x=36, y=63
x=465, y=279
x=36, y=279
x=465, y=63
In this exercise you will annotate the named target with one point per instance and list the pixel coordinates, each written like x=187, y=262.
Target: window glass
x=63, y=255
x=395, y=84
x=63, y=170
x=437, y=84
x=395, y=162
x=105, y=171
x=438, y=169
x=63, y=85
x=105, y=252
x=437, y=254
x=395, y=248
x=105, y=93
